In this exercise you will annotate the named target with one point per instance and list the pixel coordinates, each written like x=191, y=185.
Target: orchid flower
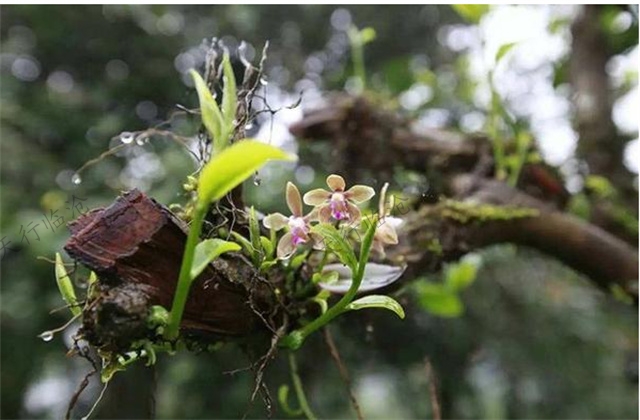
x=297, y=224
x=338, y=203
x=386, y=230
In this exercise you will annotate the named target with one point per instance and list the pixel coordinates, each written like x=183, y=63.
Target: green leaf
x=325, y=277
x=439, y=300
x=471, y=12
x=158, y=317
x=297, y=261
x=367, y=35
x=376, y=301
x=66, y=287
x=211, y=116
x=460, y=275
x=207, y=251
x=503, y=50
x=243, y=241
x=267, y=265
x=335, y=241
x=267, y=246
x=229, y=100
x=232, y=166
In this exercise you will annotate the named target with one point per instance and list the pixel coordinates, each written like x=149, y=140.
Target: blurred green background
x=536, y=340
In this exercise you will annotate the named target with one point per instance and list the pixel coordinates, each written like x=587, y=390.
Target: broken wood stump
x=135, y=246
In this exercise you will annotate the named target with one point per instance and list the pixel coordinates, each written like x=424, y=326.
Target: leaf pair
x=220, y=123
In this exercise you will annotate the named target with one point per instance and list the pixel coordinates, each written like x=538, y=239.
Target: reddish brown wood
x=138, y=241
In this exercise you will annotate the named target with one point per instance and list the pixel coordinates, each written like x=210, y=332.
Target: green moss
x=435, y=246
x=469, y=212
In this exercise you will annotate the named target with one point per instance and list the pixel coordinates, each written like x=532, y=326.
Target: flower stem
x=357, y=277
x=297, y=385
x=184, y=280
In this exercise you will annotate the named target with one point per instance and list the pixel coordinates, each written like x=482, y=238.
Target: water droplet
x=76, y=179
x=369, y=328
x=46, y=336
x=126, y=137
x=263, y=81
x=248, y=126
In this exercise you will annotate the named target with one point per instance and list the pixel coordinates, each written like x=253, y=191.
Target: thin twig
x=433, y=390
x=344, y=373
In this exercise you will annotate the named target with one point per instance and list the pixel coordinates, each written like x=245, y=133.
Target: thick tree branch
x=459, y=228
x=463, y=167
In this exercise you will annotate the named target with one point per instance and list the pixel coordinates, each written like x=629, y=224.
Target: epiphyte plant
x=334, y=229
x=333, y=226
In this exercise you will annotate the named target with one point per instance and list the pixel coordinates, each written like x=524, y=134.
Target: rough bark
x=135, y=246
x=374, y=140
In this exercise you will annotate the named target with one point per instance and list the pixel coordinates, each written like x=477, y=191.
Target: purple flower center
x=299, y=230
x=338, y=206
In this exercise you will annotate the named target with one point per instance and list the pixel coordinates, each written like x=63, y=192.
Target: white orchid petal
x=359, y=193
x=285, y=246
x=275, y=221
x=316, y=197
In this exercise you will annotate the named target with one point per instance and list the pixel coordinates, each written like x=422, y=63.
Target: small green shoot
x=66, y=286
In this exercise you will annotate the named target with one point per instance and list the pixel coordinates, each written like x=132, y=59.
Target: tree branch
x=463, y=168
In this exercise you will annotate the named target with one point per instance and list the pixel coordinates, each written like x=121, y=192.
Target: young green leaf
x=327, y=277
x=376, y=301
x=229, y=95
x=338, y=244
x=461, y=274
x=439, y=300
x=267, y=265
x=211, y=115
x=66, y=287
x=367, y=35
x=267, y=246
x=93, y=279
x=243, y=241
x=232, y=166
x=207, y=251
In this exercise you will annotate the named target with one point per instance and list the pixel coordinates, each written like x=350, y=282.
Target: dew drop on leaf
x=76, y=179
